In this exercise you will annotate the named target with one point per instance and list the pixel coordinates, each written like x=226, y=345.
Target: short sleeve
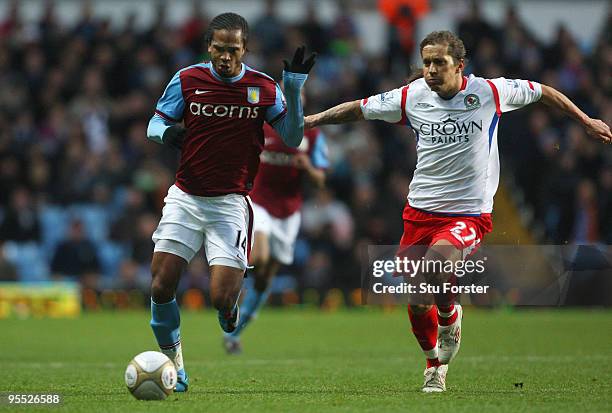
x=278, y=109
x=171, y=104
x=515, y=93
x=319, y=155
x=385, y=106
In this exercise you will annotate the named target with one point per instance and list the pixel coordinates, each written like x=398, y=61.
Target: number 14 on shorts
x=241, y=242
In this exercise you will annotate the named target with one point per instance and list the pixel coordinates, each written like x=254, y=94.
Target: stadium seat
x=29, y=259
x=94, y=218
x=54, y=222
x=110, y=255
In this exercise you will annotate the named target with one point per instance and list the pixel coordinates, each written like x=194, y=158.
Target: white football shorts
x=281, y=232
x=222, y=223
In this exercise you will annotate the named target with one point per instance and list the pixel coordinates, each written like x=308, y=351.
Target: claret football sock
x=425, y=329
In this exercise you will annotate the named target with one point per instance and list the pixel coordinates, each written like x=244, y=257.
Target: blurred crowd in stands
x=81, y=188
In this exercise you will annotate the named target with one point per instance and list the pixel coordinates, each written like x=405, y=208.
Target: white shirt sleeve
x=516, y=93
x=385, y=106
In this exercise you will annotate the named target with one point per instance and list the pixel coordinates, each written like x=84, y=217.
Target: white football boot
x=449, y=338
x=435, y=379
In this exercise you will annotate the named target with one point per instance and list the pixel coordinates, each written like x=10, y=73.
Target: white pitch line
x=310, y=361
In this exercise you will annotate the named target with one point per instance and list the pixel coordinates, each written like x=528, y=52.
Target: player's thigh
x=228, y=231
x=464, y=234
x=453, y=240
x=166, y=270
x=260, y=253
x=167, y=265
x=180, y=230
x=283, y=234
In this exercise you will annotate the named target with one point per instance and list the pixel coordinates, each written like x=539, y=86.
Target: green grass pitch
x=311, y=361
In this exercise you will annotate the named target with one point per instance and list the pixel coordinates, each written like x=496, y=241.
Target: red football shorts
x=425, y=228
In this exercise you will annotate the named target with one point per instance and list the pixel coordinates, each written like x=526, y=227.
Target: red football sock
x=447, y=315
x=425, y=329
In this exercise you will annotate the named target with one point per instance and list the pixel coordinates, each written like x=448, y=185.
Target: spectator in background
x=92, y=108
x=48, y=148
x=192, y=31
x=12, y=24
x=125, y=226
x=313, y=30
x=131, y=277
x=403, y=17
x=77, y=257
x=473, y=29
x=87, y=25
x=142, y=245
x=324, y=215
x=586, y=230
x=269, y=30
x=605, y=204
x=7, y=269
x=20, y=220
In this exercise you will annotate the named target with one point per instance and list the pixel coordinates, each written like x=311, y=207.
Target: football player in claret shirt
x=277, y=200
x=223, y=105
x=455, y=121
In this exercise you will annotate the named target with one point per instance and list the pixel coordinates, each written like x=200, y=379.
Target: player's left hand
x=599, y=130
x=302, y=161
x=298, y=64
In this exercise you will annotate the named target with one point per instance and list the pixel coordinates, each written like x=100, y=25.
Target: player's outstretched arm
x=291, y=126
x=594, y=127
x=344, y=112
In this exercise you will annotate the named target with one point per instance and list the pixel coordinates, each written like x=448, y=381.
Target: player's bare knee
x=222, y=300
x=165, y=275
x=161, y=292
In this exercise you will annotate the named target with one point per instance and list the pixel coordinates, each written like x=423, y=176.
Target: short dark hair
x=455, y=45
x=228, y=21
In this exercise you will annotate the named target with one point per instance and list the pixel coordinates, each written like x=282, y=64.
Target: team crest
x=471, y=101
x=253, y=94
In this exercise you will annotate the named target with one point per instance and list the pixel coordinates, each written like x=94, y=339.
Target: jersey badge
x=253, y=94
x=471, y=101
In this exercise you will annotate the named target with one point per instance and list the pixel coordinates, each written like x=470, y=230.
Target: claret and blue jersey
x=224, y=118
x=279, y=184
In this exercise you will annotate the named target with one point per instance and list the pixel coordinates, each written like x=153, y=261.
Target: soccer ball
x=150, y=376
